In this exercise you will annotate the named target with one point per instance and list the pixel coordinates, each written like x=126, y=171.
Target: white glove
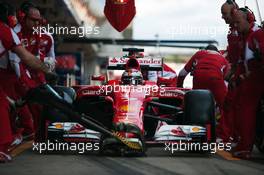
x=50, y=62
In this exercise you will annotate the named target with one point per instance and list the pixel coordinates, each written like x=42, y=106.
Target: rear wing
x=146, y=63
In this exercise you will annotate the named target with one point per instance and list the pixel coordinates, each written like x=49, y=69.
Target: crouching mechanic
x=208, y=68
x=9, y=41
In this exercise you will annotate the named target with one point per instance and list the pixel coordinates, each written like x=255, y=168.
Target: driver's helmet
x=132, y=77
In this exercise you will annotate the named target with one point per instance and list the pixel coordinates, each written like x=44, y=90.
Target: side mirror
x=98, y=78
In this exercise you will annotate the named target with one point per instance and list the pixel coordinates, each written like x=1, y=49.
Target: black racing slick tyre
x=199, y=109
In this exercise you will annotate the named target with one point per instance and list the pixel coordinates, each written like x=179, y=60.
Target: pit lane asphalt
x=157, y=161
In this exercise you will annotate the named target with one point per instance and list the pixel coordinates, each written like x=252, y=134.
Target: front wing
x=166, y=133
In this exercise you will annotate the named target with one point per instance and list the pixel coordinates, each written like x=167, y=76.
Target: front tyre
x=199, y=109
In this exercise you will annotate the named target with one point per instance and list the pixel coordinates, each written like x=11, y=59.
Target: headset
x=250, y=14
x=7, y=15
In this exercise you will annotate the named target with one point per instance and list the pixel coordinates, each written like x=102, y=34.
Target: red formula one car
x=128, y=115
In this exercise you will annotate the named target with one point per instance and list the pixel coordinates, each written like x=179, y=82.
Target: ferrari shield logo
x=120, y=13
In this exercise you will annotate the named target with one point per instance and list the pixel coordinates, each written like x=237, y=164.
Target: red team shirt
x=8, y=40
x=31, y=42
x=256, y=43
x=243, y=61
x=211, y=61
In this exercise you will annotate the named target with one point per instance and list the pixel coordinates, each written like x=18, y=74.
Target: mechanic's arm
x=186, y=70
x=183, y=73
x=29, y=59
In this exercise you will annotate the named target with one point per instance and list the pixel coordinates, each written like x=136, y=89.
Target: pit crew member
x=248, y=81
x=208, y=68
x=10, y=41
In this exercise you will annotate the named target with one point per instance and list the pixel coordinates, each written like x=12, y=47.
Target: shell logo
x=195, y=129
x=58, y=126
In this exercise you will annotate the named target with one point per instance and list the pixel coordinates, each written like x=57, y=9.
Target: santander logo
x=141, y=61
x=149, y=61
